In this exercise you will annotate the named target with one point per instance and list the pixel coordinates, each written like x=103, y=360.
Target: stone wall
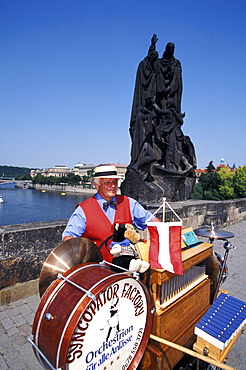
x=24, y=248
x=200, y=213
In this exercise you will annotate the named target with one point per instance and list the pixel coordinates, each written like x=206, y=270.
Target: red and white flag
x=165, y=246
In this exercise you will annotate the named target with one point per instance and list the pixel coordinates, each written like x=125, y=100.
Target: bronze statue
x=160, y=150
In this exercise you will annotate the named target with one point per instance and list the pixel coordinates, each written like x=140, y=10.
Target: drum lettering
x=139, y=310
x=109, y=293
x=89, y=314
x=100, y=355
x=125, y=293
x=81, y=327
x=91, y=367
x=78, y=337
x=125, y=366
x=133, y=290
x=116, y=289
x=140, y=333
x=73, y=356
x=103, y=294
x=99, y=303
x=93, y=306
x=89, y=357
x=105, y=356
x=121, y=344
x=136, y=344
x=74, y=352
x=136, y=298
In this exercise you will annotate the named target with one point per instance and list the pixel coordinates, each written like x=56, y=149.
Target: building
x=57, y=171
x=80, y=169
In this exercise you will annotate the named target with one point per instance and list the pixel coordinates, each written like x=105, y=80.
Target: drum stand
x=212, y=234
x=228, y=246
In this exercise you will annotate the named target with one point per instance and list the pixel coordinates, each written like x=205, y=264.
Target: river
x=31, y=205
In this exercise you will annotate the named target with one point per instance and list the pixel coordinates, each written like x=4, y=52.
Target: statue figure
x=159, y=147
x=170, y=78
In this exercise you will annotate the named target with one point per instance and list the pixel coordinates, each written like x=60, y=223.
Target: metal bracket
x=30, y=339
x=134, y=273
x=87, y=292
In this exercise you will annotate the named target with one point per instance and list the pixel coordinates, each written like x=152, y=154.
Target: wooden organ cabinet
x=180, y=302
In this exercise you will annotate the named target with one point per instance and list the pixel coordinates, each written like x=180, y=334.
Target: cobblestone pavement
x=16, y=318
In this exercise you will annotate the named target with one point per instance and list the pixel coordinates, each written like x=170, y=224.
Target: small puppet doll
x=124, y=251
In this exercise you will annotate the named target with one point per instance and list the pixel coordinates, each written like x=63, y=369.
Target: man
x=95, y=217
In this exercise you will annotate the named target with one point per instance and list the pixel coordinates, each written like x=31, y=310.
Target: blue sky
x=68, y=71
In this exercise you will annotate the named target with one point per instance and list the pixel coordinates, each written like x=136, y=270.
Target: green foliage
x=239, y=181
x=38, y=179
x=18, y=173
x=197, y=192
x=220, y=185
x=210, y=183
x=227, y=192
x=210, y=167
x=212, y=194
x=70, y=179
x=226, y=188
x=23, y=177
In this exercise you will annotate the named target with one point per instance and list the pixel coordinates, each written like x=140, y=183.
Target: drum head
x=65, y=256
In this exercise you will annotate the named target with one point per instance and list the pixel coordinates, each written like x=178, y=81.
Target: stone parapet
x=200, y=213
x=24, y=248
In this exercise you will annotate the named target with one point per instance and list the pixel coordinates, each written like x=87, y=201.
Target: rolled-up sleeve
x=139, y=215
x=76, y=224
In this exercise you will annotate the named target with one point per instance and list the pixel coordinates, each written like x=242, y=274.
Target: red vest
x=98, y=226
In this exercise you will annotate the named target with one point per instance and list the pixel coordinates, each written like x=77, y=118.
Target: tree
x=220, y=185
x=210, y=183
x=211, y=194
x=15, y=172
x=87, y=178
x=210, y=167
x=226, y=188
x=197, y=192
x=70, y=179
x=240, y=182
x=23, y=177
x=227, y=192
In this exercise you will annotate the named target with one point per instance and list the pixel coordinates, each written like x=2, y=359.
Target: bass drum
x=92, y=318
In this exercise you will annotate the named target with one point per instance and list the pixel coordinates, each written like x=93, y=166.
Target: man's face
x=107, y=188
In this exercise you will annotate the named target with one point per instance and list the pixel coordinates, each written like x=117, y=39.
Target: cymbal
x=213, y=234
x=65, y=256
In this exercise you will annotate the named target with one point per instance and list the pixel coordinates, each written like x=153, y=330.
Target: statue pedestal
x=174, y=187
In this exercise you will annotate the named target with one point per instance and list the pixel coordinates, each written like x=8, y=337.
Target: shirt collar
x=101, y=199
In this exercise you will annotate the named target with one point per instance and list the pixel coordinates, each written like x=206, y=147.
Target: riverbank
x=60, y=188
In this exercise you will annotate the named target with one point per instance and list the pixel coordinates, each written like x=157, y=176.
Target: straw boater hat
x=105, y=172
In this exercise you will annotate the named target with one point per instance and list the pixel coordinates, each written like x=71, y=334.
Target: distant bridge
x=10, y=181
x=19, y=183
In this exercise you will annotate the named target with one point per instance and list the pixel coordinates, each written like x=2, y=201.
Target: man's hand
x=155, y=219
x=67, y=238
